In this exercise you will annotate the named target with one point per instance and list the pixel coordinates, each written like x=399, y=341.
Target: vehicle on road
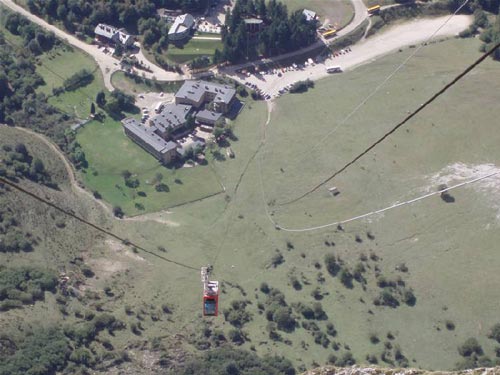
x=333, y=69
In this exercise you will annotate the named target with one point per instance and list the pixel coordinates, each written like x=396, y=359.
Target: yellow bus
x=374, y=9
x=329, y=33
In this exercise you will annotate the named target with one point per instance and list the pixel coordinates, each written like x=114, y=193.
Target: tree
x=92, y=108
x=495, y=333
x=469, y=347
x=284, y=319
x=100, y=99
x=118, y=212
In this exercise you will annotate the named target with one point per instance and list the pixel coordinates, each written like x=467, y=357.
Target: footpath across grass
x=109, y=152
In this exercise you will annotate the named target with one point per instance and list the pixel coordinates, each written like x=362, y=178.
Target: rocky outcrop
x=356, y=370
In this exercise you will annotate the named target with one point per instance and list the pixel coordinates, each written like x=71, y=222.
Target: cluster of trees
x=81, y=17
x=12, y=238
x=281, y=32
x=474, y=355
x=120, y=102
x=42, y=351
x=35, y=39
x=19, y=163
x=24, y=285
x=236, y=313
x=19, y=103
x=77, y=80
x=491, y=37
x=71, y=349
x=301, y=86
x=227, y=360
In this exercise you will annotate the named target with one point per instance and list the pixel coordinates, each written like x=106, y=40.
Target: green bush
x=469, y=347
x=495, y=332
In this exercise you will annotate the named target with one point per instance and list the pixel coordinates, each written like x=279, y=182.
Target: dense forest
x=281, y=32
x=81, y=17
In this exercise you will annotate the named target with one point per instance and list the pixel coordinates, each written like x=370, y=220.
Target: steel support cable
x=395, y=128
x=94, y=226
x=382, y=210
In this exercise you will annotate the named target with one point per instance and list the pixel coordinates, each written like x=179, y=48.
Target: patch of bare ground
x=121, y=249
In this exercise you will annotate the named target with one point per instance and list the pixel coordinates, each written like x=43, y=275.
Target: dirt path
x=156, y=216
x=410, y=33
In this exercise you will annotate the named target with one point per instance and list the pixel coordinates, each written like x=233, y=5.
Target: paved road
x=412, y=32
x=106, y=62
x=360, y=14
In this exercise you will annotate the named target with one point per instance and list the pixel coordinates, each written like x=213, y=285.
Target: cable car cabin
x=211, y=299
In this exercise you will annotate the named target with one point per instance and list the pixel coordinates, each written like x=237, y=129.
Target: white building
x=309, y=14
x=107, y=33
x=181, y=28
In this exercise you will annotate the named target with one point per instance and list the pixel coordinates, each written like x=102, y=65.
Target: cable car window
x=210, y=307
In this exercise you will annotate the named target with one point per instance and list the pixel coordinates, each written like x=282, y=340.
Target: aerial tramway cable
x=397, y=126
x=94, y=226
x=381, y=84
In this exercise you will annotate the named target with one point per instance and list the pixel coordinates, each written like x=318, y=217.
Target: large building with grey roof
x=146, y=137
x=181, y=28
x=197, y=93
x=171, y=118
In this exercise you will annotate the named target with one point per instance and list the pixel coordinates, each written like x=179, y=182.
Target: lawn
x=338, y=13
x=192, y=49
x=109, y=152
x=61, y=63
x=132, y=87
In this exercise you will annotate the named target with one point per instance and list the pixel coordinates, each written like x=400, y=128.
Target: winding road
x=106, y=62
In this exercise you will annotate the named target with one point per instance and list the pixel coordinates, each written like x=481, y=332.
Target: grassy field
x=61, y=63
x=448, y=248
x=109, y=152
x=339, y=12
x=128, y=85
x=192, y=49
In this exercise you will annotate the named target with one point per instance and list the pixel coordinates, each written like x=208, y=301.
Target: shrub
x=118, y=212
x=374, y=338
x=264, y=288
x=346, y=278
x=284, y=319
x=331, y=264
x=301, y=86
x=469, y=347
x=277, y=259
x=346, y=360
x=495, y=332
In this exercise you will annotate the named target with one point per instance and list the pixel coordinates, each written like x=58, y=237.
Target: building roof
x=111, y=32
x=172, y=116
x=209, y=116
x=181, y=24
x=256, y=21
x=194, y=90
x=148, y=136
x=309, y=14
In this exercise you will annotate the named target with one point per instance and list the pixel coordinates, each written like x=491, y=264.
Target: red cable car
x=210, y=293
